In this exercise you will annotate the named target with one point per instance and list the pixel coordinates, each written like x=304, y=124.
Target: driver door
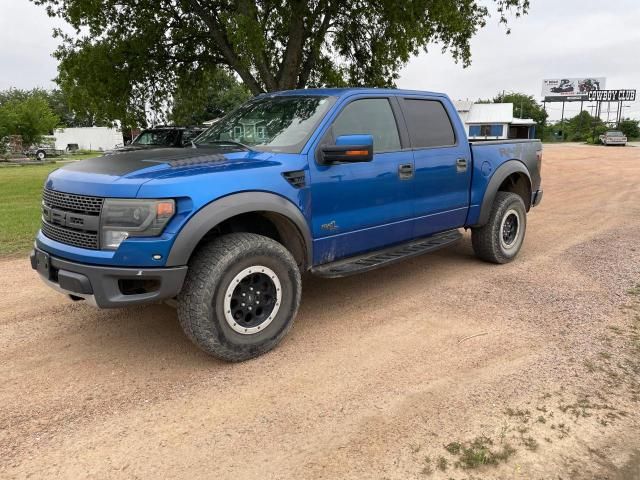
x=359, y=207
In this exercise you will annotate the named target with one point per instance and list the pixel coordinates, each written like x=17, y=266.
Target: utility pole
x=580, y=116
x=521, y=108
x=562, y=120
x=619, y=114
x=544, y=109
x=595, y=120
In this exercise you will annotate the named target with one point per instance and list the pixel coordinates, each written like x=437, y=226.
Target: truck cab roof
x=346, y=91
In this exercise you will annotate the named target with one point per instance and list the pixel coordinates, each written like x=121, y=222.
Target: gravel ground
x=531, y=367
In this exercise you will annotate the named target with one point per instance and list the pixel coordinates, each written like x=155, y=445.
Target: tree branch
x=314, y=50
x=249, y=9
x=220, y=37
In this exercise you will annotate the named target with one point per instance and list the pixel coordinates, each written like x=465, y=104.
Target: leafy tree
x=60, y=105
x=205, y=95
x=71, y=116
x=127, y=56
x=27, y=114
x=580, y=128
x=524, y=106
x=630, y=128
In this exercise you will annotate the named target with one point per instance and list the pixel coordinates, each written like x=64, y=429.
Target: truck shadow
x=152, y=333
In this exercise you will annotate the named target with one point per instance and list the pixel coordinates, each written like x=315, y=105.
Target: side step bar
x=381, y=258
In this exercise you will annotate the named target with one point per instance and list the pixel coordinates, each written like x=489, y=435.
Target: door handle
x=405, y=171
x=461, y=165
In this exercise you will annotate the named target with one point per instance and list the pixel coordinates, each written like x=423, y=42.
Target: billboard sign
x=570, y=89
x=612, y=96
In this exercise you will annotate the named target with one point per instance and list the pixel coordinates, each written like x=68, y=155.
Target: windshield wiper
x=229, y=142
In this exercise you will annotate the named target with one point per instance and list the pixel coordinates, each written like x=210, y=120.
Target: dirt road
x=377, y=376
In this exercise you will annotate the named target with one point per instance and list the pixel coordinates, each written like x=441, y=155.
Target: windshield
x=156, y=137
x=275, y=124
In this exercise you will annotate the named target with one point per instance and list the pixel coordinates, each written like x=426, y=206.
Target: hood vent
x=201, y=160
x=295, y=178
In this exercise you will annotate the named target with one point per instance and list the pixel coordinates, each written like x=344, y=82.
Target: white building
x=88, y=138
x=493, y=121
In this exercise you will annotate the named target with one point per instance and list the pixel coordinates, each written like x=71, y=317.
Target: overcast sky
x=567, y=38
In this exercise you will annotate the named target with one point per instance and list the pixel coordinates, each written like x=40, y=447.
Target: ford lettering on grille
x=71, y=219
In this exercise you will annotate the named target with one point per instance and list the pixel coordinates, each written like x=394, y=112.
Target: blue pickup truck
x=330, y=181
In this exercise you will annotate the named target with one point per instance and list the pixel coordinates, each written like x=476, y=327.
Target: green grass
x=480, y=452
x=20, y=197
x=634, y=290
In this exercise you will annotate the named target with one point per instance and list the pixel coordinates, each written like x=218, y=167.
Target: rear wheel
x=240, y=296
x=500, y=240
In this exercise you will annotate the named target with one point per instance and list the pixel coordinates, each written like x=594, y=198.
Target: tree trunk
x=288, y=73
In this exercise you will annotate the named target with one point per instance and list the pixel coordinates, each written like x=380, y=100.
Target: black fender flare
x=224, y=208
x=502, y=172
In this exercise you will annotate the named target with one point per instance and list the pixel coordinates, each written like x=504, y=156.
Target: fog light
x=157, y=257
x=112, y=238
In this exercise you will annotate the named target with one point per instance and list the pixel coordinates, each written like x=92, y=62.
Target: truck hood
x=121, y=174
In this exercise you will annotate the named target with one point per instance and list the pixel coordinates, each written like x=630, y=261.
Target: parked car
x=613, y=137
x=163, y=137
x=331, y=181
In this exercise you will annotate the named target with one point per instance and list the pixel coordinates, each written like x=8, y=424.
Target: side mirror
x=349, y=148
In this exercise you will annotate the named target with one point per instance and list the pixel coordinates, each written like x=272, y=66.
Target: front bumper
x=536, y=198
x=108, y=287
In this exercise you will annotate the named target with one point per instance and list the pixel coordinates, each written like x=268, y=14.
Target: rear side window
x=371, y=116
x=428, y=124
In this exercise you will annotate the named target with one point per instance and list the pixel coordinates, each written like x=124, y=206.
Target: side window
x=428, y=123
x=371, y=116
x=491, y=130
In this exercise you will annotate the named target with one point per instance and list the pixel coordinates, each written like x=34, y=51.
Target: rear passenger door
x=442, y=165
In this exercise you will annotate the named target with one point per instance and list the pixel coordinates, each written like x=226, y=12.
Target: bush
x=630, y=128
x=30, y=117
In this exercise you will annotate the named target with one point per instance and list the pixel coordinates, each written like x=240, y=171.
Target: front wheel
x=500, y=240
x=240, y=296
x=41, y=155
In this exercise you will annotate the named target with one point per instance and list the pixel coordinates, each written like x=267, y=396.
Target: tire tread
x=485, y=240
x=206, y=266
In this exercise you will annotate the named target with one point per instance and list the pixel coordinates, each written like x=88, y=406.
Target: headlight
x=123, y=218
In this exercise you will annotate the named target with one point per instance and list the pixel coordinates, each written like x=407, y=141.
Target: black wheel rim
x=510, y=229
x=252, y=300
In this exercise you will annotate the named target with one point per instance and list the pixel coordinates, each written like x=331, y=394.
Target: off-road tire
x=212, y=270
x=486, y=240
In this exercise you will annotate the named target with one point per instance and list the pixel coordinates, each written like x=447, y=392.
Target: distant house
x=494, y=121
x=88, y=138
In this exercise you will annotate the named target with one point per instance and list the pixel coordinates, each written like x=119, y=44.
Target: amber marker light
x=356, y=152
x=164, y=209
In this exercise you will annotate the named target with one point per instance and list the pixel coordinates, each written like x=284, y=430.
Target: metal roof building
x=493, y=121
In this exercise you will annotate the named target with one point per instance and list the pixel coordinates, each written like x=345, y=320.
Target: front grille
x=72, y=202
x=71, y=219
x=70, y=236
